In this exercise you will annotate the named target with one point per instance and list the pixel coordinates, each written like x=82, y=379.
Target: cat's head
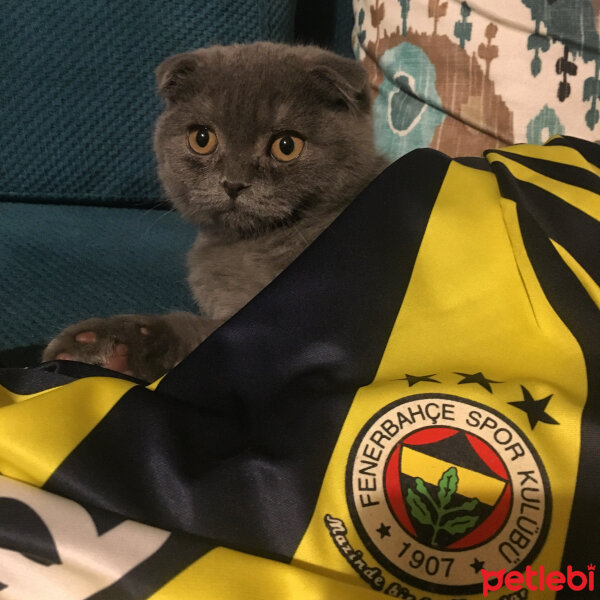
x=253, y=136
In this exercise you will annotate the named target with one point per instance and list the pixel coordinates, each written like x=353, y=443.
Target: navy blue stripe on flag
x=575, y=176
x=589, y=150
x=581, y=316
x=234, y=443
x=573, y=229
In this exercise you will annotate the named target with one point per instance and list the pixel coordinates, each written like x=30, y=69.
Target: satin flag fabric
x=414, y=402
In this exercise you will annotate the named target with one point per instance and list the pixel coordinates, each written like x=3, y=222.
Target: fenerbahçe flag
x=413, y=403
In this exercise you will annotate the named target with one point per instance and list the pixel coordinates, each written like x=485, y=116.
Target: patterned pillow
x=77, y=100
x=465, y=76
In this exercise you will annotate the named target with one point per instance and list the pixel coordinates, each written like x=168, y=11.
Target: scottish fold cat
x=261, y=146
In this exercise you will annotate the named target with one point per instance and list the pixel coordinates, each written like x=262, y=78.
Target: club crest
x=440, y=487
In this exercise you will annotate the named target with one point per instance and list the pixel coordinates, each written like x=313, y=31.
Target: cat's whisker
x=299, y=233
x=164, y=213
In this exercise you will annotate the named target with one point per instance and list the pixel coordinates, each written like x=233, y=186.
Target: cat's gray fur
x=246, y=94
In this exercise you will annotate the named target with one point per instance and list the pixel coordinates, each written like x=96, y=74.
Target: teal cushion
x=61, y=264
x=77, y=100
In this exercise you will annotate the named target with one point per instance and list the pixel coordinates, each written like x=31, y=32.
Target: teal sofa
x=84, y=228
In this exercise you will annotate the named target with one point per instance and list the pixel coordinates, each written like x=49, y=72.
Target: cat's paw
x=143, y=346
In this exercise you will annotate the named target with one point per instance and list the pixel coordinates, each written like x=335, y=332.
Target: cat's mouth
x=248, y=223
x=254, y=227
x=248, y=214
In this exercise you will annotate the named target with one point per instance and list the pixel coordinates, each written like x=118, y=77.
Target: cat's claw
x=117, y=361
x=141, y=346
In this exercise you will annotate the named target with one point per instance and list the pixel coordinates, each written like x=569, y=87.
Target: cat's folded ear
x=178, y=77
x=342, y=81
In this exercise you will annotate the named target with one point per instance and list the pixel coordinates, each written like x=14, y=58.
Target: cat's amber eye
x=287, y=147
x=202, y=140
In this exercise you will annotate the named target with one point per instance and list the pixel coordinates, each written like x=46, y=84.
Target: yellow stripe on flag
x=583, y=199
x=38, y=432
x=222, y=574
x=561, y=155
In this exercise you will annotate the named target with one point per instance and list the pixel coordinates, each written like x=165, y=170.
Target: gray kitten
x=260, y=145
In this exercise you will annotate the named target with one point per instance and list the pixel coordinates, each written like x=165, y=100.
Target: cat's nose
x=233, y=188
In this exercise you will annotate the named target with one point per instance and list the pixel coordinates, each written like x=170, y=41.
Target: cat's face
x=254, y=135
